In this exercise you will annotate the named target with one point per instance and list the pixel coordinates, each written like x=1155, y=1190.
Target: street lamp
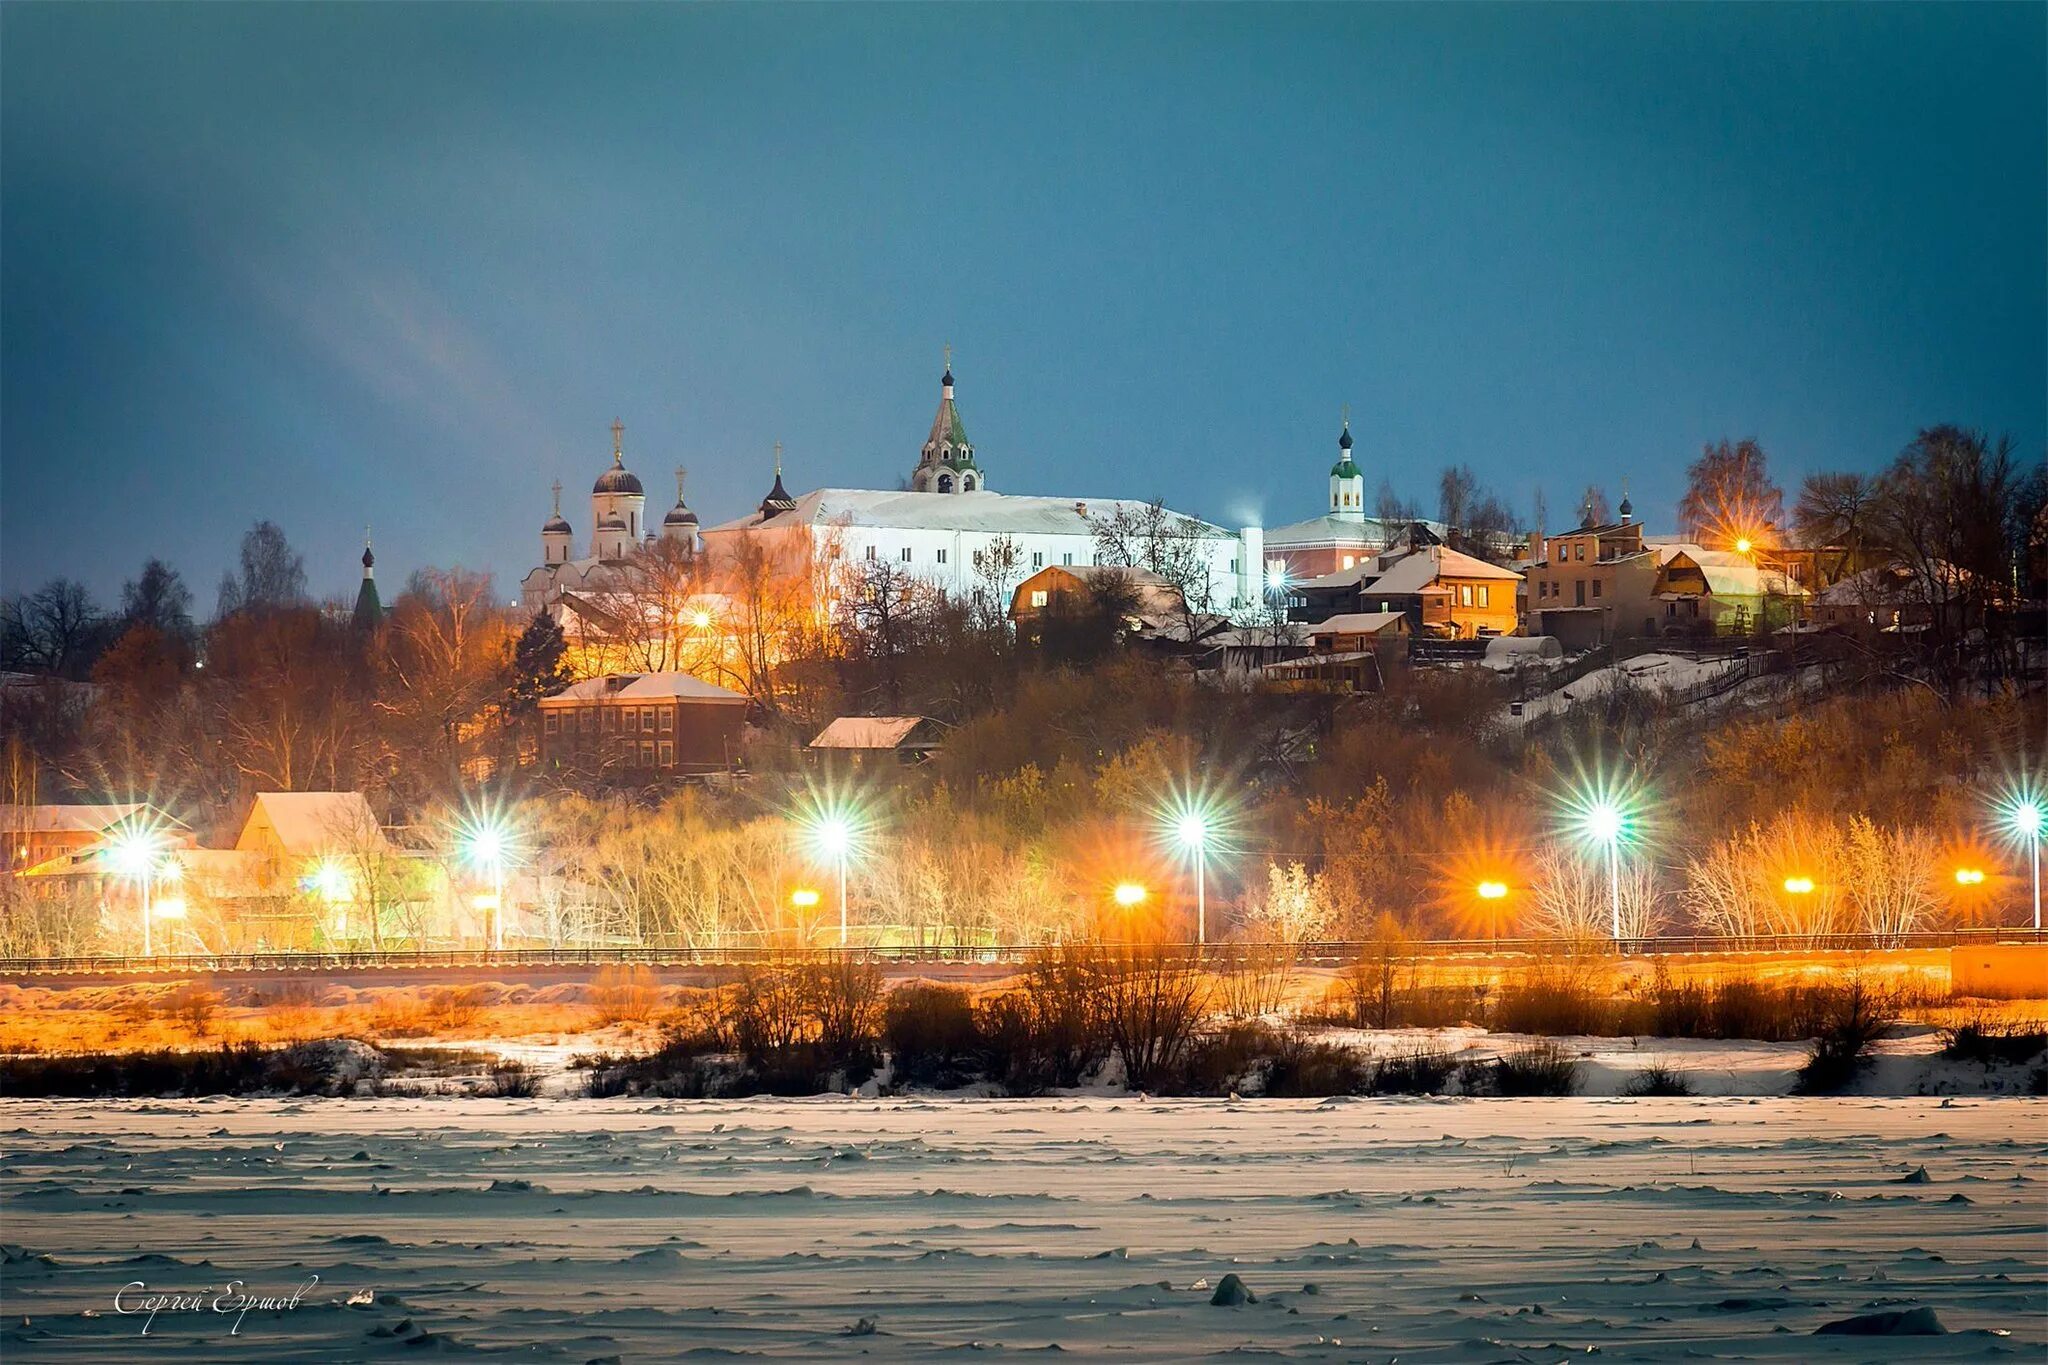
x=1491, y=893
x=833, y=834
x=1603, y=823
x=1128, y=894
x=1969, y=876
x=486, y=845
x=2025, y=815
x=1193, y=831
x=139, y=855
x=1798, y=886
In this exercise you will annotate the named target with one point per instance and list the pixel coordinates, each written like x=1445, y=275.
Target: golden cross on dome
x=680, y=472
x=618, y=441
x=949, y=357
x=1347, y=417
x=778, y=459
x=558, y=497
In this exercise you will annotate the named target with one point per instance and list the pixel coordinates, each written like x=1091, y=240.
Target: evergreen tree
x=536, y=669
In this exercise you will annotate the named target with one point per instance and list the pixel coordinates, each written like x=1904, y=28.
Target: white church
x=932, y=530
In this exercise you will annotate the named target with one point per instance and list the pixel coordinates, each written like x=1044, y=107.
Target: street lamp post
x=2027, y=819
x=486, y=847
x=834, y=836
x=1194, y=832
x=1603, y=824
x=137, y=855
x=1492, y=892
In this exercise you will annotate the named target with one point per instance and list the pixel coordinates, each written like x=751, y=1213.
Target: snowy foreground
x=1435, y=1230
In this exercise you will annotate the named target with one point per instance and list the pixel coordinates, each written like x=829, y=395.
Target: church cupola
x=778, y=500
x=1347, y=480
x=681, y=523
x=616, y=504
x=1627, y=508
x=556, y=534
x=369, y=607
x=946, y=464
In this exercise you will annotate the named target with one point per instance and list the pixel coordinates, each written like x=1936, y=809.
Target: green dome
x=1344, y=469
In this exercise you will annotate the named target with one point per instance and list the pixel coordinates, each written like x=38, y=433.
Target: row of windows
x=903, y=555
x=647, y=753
x=1466, y=595
x=629, y=719
x=1550, y=587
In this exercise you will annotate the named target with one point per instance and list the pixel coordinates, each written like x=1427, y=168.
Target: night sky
x=403, y=265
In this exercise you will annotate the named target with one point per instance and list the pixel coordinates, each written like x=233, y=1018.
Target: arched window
x=945, y=483
x=967, y=484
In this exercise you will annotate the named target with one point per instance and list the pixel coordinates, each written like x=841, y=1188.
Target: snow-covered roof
x=988, y=513
x=1356, y=623
x=73, y=819
x=644, y=687
x=1894, y=584
x=1331, y=529
x=1403, y=572
x=309, y=822
x=1729, y=574
x=867, y=732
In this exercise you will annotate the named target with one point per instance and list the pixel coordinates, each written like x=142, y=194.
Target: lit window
x=1350, y=560
x=1464, y=594
x=1038, y=597
x=1485, y=596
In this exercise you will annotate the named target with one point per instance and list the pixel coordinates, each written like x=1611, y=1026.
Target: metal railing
x=1333, y=954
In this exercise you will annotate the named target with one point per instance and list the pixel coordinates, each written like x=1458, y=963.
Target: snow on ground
x=1653, y=672
x=1435, y=1230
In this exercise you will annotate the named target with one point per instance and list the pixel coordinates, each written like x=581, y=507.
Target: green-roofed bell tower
x=946, y=464
x=1347, y=480
x=369, y=613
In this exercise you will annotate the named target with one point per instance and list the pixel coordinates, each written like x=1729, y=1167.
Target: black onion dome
x=556, y=525
x=679, y=515
x=1344, y=441
x=617, y=479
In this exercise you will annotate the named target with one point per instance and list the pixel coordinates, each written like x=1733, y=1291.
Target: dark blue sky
x=403, y=265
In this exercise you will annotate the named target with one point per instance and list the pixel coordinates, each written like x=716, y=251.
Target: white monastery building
x=933, y=530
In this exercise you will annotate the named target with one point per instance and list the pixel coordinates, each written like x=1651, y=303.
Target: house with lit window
x=1599, y=583
x=642, y=727
x=1441, y=592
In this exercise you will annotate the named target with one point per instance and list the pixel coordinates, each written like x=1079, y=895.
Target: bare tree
x=273, y=574
x=1729, y=496
x=1166, y=543
x=1946, y=508
x=998, y=569
x=1833, y=512
x=158, y=597
x=56, y=629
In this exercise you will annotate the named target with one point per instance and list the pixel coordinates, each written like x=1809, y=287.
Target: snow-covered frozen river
x=918, y=1229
